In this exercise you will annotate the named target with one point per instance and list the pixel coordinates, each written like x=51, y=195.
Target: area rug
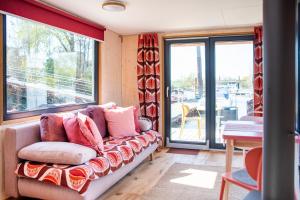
x=183, y=151
x=192, y=182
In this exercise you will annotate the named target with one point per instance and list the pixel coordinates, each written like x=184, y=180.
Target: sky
x=232, y=60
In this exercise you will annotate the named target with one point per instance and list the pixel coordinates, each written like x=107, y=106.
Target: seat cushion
x=243, y=176
x=253, y=195
x=57, y=152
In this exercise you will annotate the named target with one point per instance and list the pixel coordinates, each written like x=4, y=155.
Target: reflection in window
x=47, y=67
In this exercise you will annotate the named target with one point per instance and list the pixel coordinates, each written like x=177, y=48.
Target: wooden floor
x=144, y=177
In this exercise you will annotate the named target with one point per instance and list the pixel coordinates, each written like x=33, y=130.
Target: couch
x=19, y=136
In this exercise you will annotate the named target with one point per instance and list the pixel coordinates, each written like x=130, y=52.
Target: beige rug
x=192, y=182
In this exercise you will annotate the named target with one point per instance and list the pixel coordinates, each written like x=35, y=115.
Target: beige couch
x=19, y=136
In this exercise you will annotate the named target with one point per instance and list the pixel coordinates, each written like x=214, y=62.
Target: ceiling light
x=113, y=5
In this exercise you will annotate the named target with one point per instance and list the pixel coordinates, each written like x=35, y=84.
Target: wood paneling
x=111, y=68
x=162, y=88
x=129, y=62
x=100, y=49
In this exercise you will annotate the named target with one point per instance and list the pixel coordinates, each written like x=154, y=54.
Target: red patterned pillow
x=52, y=128
x=82, y=130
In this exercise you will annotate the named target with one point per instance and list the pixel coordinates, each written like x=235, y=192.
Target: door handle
x=167, y=92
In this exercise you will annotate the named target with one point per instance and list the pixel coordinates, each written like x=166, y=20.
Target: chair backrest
x=185, y=110
x=253, y=163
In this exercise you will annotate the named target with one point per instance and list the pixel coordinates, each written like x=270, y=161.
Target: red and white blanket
x=117, y=152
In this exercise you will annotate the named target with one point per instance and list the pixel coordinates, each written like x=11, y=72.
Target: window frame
x=24, y=114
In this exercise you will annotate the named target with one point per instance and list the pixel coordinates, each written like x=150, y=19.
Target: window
x=46, y=69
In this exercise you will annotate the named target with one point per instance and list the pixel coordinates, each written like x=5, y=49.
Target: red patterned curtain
x=258, y=71
x=148, y=70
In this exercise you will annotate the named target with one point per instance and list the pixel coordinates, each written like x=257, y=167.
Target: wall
x=111, y=68
x=129, y=79
x=110, y=85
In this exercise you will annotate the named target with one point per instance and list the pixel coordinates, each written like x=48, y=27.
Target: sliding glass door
x=232, y=61
x=208, y=81
x=186, y=93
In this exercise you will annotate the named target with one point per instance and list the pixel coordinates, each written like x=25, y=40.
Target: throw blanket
x=117, y=153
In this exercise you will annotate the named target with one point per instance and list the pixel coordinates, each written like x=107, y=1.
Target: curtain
x=258, y=71
x=148, y=76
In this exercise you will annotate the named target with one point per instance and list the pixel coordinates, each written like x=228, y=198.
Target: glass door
x=232, y=61
x=208, y=82
x=186, y=93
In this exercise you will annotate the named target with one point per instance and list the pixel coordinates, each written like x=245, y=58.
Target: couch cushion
x=52, y=128
x=145, y=124
x=82, y=130
x=57, y=152
x=136, y=112
x=120, y=122
x=118, y=153
x=97, y=114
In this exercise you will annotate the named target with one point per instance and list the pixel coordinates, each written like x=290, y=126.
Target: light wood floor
x=144, y=177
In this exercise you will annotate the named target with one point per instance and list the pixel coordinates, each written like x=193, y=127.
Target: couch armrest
x=145, y=124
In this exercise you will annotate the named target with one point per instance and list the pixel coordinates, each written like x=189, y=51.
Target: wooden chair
x=249, y=178
x=185, y=116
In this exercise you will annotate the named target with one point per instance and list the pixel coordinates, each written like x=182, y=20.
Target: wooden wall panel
x=111, y=68
x=129, y=62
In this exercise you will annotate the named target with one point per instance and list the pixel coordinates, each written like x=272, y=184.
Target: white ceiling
x=167, y=15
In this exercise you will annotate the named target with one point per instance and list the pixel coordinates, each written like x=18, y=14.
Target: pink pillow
x=82, y=130
x=52, y=128
x=136, y=119
x=120, y=122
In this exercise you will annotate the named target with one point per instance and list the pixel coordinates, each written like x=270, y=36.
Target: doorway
x=208, y=81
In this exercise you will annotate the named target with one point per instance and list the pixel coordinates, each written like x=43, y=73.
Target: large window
x=46, y=69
